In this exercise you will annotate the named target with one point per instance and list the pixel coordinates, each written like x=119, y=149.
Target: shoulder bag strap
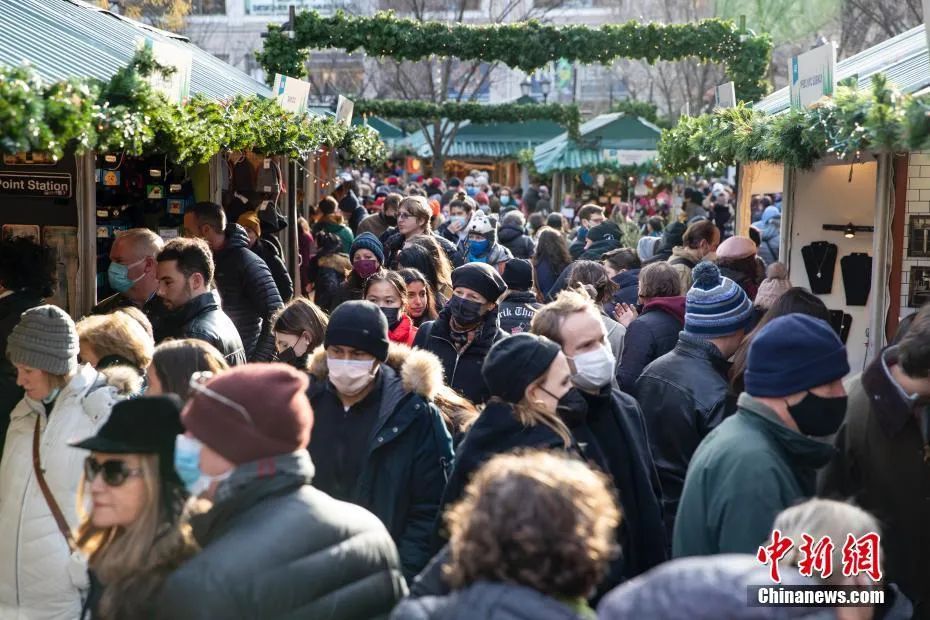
x=47, y=493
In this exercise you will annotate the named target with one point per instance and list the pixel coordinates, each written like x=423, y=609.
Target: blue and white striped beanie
x=715, y=305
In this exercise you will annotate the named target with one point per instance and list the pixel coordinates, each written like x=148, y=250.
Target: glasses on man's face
x=197, y=383
x=114, y=471
x=403, y=215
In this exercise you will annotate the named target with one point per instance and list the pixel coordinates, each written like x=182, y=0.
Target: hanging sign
x=628, y=157
x=813, y=76
x=725, y=95
x=177, y=86
x=291, y=93
x=344, y=109
x=36, y=184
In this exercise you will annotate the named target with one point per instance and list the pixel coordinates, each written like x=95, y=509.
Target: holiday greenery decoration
x=566, y=115
x=126, y=114
x=843, y=127
x=527, y=45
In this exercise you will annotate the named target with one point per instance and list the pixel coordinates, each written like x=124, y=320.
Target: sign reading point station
x=36, y=184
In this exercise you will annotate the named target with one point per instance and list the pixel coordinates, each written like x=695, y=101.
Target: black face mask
x=391, y=220
x=817, y=416
x=464, y=311
x=572, y=407
x=290, y=357
x=392, y=315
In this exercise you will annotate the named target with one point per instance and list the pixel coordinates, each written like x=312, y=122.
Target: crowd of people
x=464, y=405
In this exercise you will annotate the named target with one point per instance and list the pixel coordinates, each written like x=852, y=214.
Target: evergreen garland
x=566, y=115
x=843, y=127
x=126, y=114
x=527, y=45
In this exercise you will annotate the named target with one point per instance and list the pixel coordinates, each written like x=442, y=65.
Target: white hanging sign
x=813, y=76
x=725, y=95
x=291, y=93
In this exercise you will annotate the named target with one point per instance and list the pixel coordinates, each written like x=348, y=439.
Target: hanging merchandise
x=820, y=262
x=857, y=278
x=841, y=322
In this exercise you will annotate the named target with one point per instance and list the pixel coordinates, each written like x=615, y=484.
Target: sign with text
x=344, y=109
x=725, y=95
x=177, y=86
x=291, y=93
x=813, y=76
x=36, y=184
x=628, y=157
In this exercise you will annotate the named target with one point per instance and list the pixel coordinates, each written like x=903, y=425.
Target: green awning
x=64, y=39
x=606, y=141
x=492, y=140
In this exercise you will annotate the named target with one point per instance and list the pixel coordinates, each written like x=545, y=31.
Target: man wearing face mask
x=379, y=440
x=269, y=533
x=612, y=434
x=132, y=275
x=378, y=223
x=466, y=329
x=765, y=457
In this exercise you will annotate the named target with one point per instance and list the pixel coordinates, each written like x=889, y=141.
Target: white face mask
x=594, y=369
x=350, y=377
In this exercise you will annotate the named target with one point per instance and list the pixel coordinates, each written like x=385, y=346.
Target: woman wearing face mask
x=481, y=244
x=466, y=329
x=532, y=405
x=421, y=299
x=367, y=257
x=298, y=330
x=388, y=291
x=132, y=536
x=461, y=209
x=378, y=440
x=41, y=575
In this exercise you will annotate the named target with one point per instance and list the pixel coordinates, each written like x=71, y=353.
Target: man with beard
x=185, y=283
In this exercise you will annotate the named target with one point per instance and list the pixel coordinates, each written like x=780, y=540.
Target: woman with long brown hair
x=421, y=296
x=298, y=328
x=550, y=260
x=132, y=536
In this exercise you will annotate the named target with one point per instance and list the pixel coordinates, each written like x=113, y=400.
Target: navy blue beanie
x=794, y=353
x=367, y=241
x=715, y=306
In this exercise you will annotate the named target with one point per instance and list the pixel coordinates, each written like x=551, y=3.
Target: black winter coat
x=650, y=336
x=487, y=601
x=517, y=241
x=11, y=308
x=328, y=273
x=462, y=370
x=410, y=450
x=275, y=547
x=683, y=396
x=248, y=293
x=516, y=311
x=267, y=251
x=202, y=318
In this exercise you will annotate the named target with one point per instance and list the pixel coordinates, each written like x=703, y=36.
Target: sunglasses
x=114, y=472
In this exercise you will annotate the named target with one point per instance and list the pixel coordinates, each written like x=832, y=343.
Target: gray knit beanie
x=45, y=338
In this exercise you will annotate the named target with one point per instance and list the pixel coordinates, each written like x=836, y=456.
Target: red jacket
x=404, y=333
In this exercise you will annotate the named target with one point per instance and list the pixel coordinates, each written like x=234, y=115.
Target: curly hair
x=536, y=519
x=551, y=247
x=117, y=334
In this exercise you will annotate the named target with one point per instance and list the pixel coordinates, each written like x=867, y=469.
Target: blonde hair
x=117, y=334
x=548, y=320
x=419, y=209
x=133, y=561
x=531, y=414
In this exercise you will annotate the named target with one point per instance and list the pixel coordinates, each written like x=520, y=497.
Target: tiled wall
x=918, y=203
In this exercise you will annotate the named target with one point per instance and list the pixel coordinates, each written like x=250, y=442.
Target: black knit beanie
x=515, y=362
x=360, y=325
x=481, y=278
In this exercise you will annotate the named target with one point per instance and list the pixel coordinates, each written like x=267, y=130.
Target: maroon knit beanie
x=273, y=395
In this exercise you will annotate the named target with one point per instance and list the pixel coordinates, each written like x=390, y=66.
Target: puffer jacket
x=770, y=241
x=650, y=336
x=683, y=396
x=38, y=580
x=518, y=242
x=248, y=293
x=267, y=251
x=275, y=547
x=202, y=318
x=462, y=369
x=488, y=601
x=410, y=451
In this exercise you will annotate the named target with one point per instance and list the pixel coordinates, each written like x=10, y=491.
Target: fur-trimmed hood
x=125, y=379
x=340, y=262
x=420, y=371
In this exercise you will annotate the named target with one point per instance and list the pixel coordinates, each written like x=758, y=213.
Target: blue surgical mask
x=51, y=396
x=118, y=276
x=505, y=200
x=187, y=464
x=471, y=191
x=478, y=248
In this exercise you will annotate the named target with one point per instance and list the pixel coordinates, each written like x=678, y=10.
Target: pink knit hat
x=774, y=286
x=737, y=247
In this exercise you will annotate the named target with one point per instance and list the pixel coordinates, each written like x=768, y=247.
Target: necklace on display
x=823, y=259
